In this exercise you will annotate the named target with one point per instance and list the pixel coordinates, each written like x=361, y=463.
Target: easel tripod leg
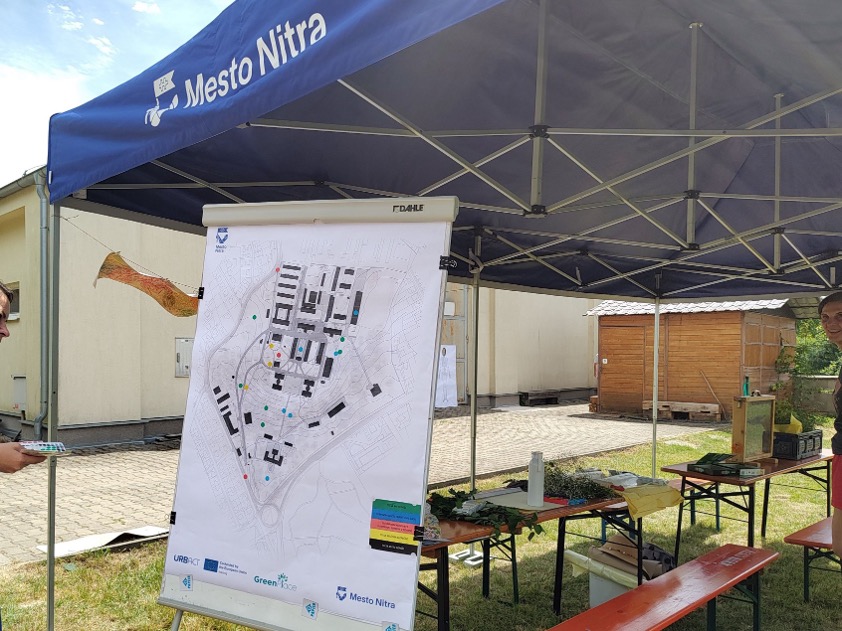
x=177, y=620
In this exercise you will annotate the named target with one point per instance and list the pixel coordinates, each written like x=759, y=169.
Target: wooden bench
x=817, y=542
x=539, y=397
x=662, y=601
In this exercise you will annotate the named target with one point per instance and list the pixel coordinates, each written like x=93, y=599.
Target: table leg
x=827, y=485
x=712, y=614
x=753, y=586
x=751, y=489
x=766, y=488
x=806, y=574
x=639, y=525
x=516, y=596
x=680, y=515
x=559, y=565
x=443, y=586
x=486, y=562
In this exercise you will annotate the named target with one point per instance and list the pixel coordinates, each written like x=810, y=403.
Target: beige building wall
x=531, y=341
x=19, y=244
x=116, y=344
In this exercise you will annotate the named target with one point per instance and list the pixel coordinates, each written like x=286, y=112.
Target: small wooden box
x=753, y=428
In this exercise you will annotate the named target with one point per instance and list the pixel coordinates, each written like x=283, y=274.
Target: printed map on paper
x=309, y=402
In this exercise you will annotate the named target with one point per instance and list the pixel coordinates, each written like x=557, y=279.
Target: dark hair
x=7, y=291
x=834, y=297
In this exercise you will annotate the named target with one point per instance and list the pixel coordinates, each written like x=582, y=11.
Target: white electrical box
x=19, y=394
x=183, y=356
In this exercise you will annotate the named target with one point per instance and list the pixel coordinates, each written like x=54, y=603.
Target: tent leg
x=657, y=343
x=475, y=366
x=52, y=427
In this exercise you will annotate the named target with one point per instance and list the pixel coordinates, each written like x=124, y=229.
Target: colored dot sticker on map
x=240, y=385
x=283, y=410
x=269, y=364
x=278, y=354
x=271, y=345
x=289, y=415
x=339, y=352
x=265, y=407
x=245, y=387
x=277, y=269
x=245, y=476
x=254, y=317
x=262, y=424
x=341, y=339
x=300, y=349
x=267, y=478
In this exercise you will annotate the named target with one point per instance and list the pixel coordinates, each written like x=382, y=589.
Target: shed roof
x=620, y=307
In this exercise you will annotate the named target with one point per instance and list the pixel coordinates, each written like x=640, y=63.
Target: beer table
x=696, y=486
x=613, y=510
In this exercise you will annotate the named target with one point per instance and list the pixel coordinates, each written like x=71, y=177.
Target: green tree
x=814, y=354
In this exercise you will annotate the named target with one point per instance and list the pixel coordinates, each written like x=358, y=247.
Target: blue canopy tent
x=594, y=146
x=648, y=149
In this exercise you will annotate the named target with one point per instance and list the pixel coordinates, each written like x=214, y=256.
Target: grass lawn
x=118, y=590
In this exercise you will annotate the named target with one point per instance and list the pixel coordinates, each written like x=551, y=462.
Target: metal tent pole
x=474, y=362
x=691, y=159
x=777, y=242
x=52, y=426
x=539, y=128
x=657, y=343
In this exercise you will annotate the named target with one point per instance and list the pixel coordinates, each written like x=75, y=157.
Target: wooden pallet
x=539, y=397
x=686, y=410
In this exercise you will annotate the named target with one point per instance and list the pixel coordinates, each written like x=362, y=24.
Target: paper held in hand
x=42, y=448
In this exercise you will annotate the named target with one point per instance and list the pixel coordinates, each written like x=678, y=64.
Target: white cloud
x=68, y=19
x=24, y=129
x=103, y=45
x=98, y=22
x=146, y=7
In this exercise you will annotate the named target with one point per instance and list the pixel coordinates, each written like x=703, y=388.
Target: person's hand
x=13, y=459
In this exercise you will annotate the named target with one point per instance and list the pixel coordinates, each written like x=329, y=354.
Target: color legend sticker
x=393, y=526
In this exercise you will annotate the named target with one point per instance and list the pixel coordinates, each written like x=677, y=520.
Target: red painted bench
x=662, y=601
x=818, y=544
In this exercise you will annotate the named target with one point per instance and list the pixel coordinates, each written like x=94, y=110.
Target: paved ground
x=116, y=488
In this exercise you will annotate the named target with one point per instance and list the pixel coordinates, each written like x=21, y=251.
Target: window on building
x=14, y=308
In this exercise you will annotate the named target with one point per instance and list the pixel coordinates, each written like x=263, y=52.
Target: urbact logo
x=211, y=565
x=180, y=558
x=341, y=593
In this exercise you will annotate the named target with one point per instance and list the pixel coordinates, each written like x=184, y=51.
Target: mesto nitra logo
x=341, y=593
x=161, y=86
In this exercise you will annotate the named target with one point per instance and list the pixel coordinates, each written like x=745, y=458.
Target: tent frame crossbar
x=724, y=134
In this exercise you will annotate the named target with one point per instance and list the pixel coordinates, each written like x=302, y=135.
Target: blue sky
x=57, y=55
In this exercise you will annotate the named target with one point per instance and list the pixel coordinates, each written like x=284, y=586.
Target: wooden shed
x=706, y=350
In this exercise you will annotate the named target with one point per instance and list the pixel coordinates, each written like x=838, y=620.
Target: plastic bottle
x=535, y=494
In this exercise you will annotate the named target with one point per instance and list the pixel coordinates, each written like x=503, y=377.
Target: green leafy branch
x=558, y=483
x=497, y=517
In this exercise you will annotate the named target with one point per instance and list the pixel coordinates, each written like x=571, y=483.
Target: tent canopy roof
x=674, y=148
